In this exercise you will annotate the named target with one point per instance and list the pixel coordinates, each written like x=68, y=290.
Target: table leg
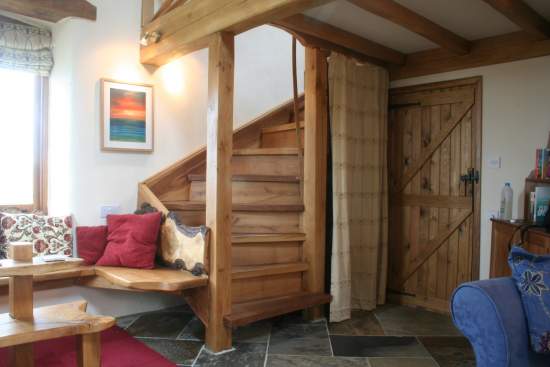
x=21, y=356
x=89, y=350
x=21, y=297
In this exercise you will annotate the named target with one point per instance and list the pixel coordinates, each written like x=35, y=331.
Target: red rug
x=118, y=349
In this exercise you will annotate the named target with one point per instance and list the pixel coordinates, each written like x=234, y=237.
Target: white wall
x=516, y=121
x=81, y=177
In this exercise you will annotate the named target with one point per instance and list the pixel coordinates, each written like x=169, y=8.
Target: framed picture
x=126, y=116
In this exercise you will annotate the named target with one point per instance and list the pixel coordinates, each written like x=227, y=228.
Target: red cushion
x=132, y=240
x=91, y=242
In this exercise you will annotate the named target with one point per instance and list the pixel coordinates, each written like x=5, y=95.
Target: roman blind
x=25, y=47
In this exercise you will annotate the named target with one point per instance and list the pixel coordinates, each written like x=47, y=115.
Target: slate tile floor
x=392, y=336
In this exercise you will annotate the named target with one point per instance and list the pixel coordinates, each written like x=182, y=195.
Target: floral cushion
x=50, y=235
x=531, y=274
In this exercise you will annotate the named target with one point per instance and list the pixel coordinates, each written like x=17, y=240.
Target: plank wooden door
x=434, y=157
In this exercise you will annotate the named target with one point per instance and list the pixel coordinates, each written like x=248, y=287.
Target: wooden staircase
x=268, y=259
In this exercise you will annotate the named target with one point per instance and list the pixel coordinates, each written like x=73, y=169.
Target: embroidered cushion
x=3, y=241
x=91, y=242
x=531, y=274
x=131, y=241
x=49, y=235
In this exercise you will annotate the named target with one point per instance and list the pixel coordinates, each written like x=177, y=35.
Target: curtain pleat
x=358, y=95
x=25, y=47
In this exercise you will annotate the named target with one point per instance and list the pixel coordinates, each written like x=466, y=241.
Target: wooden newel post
x=219, y=150
x=315, y=171
x=20, y=287
x=21, y=301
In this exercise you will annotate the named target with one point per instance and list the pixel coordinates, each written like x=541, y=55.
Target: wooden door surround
x=434, y=164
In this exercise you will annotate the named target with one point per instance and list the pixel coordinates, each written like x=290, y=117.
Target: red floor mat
x=118, y=349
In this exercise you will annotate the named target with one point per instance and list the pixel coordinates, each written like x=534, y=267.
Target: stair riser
x=281, y=139
x=250, y=222
x=255, y=192
x=250, y=289
x=266, y=253
x=275, y=165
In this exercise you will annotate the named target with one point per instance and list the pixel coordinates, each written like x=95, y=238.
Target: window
x=22, y=140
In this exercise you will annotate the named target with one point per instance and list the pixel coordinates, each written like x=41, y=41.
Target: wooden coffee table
x=24, y=324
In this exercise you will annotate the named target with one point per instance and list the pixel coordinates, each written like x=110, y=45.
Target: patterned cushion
x=531, y=274
x=50, y=235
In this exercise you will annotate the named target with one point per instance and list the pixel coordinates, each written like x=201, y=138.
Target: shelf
x=51, y=322
x=10, y=268
x=545, y=181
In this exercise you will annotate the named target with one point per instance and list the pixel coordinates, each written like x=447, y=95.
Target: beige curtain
x=358, y=113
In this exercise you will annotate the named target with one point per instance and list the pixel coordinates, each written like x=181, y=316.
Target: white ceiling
x=471, y=19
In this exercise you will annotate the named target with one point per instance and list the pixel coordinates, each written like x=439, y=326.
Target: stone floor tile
x=181, y=352
x=276, y=360
x=403, y=362
x=401, y=320
x=244, y=355
x=361, y=323
x=377, y=346
x=159, y=325
x=300, y=339
x=257, y=332
x=125, y=321
x=450, y=351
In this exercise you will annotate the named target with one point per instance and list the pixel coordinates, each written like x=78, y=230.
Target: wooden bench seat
x=154, y=280
x=164, y=280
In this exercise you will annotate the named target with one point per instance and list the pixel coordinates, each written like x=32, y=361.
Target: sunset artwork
x=127, y=116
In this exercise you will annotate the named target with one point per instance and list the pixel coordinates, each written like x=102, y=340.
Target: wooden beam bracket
x=50, y=10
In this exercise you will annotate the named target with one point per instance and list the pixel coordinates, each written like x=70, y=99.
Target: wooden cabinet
x=537, y=241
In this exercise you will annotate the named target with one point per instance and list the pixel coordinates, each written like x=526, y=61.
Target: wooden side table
x=24, y=324
x=537, y=241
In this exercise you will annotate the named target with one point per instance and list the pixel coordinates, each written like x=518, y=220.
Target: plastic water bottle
x=506, y=202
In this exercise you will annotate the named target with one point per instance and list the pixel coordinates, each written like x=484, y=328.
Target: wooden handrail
x=297, y=113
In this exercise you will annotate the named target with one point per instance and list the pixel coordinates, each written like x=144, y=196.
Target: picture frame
x=126, y=116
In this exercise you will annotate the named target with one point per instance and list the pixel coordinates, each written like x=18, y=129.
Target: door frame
x=477, y=83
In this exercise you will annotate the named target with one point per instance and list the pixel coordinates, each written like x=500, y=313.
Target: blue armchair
x=490, y=314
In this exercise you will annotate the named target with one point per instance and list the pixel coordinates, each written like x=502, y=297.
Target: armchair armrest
x=490, y=314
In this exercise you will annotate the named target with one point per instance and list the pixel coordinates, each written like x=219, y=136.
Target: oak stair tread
x=255, y=271
x=248, y=312
x=265, y=151
x=201, y=206
x=250, y=178
x=268, y=237
x=283, y=127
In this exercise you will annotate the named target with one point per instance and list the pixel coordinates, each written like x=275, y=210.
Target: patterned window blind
x=25, y=47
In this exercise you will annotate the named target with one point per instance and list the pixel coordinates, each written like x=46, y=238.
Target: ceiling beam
x=338, y=39
x=487, y=51
x=50, y=10
x=523, y=15
x=397, y=13
x=189, y=26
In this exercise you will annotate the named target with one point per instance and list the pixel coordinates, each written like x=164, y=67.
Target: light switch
x=494, y=162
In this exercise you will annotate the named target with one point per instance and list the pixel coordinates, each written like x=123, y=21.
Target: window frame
x=40, y=147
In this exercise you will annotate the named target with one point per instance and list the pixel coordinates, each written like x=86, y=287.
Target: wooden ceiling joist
x=336, y=39
x=397, y=13
x=523, y=16
x=487, y=51
x=188, y=27
x=50, y=10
